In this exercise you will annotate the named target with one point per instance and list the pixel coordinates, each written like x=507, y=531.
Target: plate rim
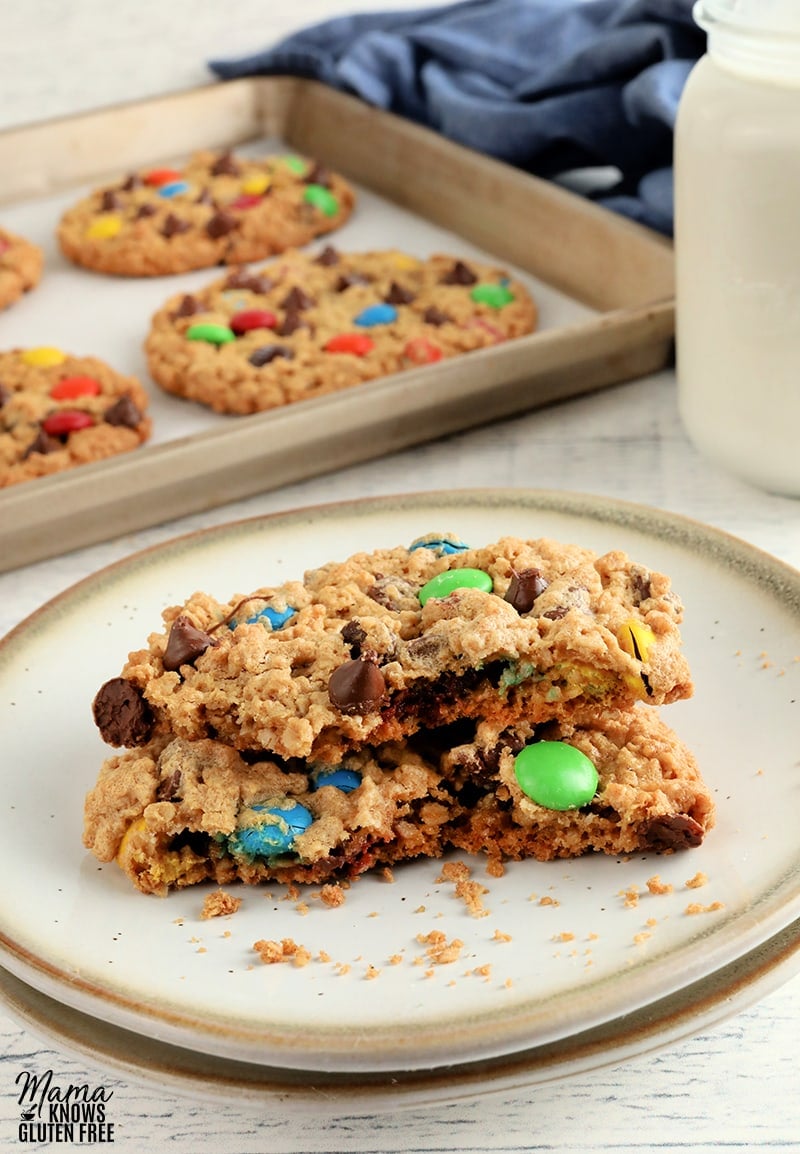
x=777, y=576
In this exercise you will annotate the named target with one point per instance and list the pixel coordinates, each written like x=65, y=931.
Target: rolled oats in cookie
x=217, y=208
x=307, y=324
x=58, y=411
x=383, y=644
x=178, y=812
x=20, y=267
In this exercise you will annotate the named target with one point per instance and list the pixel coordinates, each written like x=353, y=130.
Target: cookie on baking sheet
x=179, y=812
x=383, y=644
x=218, y=208
x=58, y=411
x=304, y=325
x=20, y=267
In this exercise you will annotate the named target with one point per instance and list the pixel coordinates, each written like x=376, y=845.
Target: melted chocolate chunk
x=5, y=395
x=110, y=201
x=460, y=273
x=169, y=787
x=220, y=224
x=349, y=278
x=188, y=307
x=290, y=324
x=317, y=174
x=132, y=182
x=268, y=353
x=185, y=644
x=525, y=587
x=145, y=210
x=174, y=226
x=640, y=586
x=434, y=316
x=123, y=413
x=678, y=831
x=354, y=635
x=357, y=687
x=425, y=648
x=42, y=443
x=556, y=614
x=225, y=165
x=397, y=295
x=393, y=593
x=121, y=714
x=242, y=279
x=329, y=256
x=296, y=300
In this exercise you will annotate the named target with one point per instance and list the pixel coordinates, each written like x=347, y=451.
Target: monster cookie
x=58, y=411
x=178, y=812
x=305, y=325
x=20, y=267
x=374, y=648
x=215, y=209
x=623, y=784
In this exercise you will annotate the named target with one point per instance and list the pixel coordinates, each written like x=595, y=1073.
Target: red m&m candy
x=354, y=343
x=71, y=387
x=66, y=421
x=159, y=176
x=246, y=200
x=248, y=319
x=421, y=351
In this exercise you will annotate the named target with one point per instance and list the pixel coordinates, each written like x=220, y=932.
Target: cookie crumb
x=372, y=972
x=454, y=871
x=697, y=908
x=440, y=952
x=287, y=950
x=332, y=895
x=219, y=904
x=656, y=886
x=566, y=936
x=546, y=901
x=699, y=879
x=642, y=937
x=471, y=894
x=499, y=936
x=631, y=896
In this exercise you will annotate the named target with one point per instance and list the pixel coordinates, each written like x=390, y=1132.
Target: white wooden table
x=736, y=1088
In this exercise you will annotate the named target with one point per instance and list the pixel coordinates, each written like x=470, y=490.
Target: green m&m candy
x=444, y=583
x=556, y=775
x=322, y=199
x=296, y=164
x=211, y=333
x=493, y=295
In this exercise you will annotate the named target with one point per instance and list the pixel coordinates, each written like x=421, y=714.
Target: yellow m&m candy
x=104, y=227
x=42, y=357
x=256, y=185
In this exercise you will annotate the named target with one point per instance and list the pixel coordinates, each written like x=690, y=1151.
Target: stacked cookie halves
x=500, y=699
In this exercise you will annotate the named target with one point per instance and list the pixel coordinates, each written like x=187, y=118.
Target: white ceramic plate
x=529, y=973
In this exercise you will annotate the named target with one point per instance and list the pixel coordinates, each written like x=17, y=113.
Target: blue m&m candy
x=174, y=188
x=344, y=779
x=277, y=618
x=381, y=314
x=442, y=544
x=280, y=825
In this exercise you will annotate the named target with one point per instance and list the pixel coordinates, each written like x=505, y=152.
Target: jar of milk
x=737, y=242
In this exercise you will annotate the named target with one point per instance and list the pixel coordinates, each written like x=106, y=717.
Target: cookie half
x=305, y=325
x=178, y=812
x=20, y=267
x=218, y=208
x=383, y=644
x=58, y=411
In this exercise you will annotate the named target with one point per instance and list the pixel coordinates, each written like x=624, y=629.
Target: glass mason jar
x=737, y=242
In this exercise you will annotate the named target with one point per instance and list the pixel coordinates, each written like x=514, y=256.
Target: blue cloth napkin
x=551, y=86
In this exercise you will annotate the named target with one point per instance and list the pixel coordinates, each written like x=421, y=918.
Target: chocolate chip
x=640, y=586
x=174, y=225
x=123, y=413
x=268, y=353
x=5, y=395
x=434, y=316
x=329, y=256
x=397, y=295
x=677, y=831
x=556, y=614
x=290, y=324
x=424, y=648
x=354, y=635
x=169, y=787
x=42, y=443
x=525, y=587
x=296, y=300
x=225, y=165
x=242, y=279
x=121, y=713
x=132, y=182
x=349, y=278
x=358, y=686
x=460, y=273
x=220, y=224
x=145, y=210
x=109, y=201
x=185, y=644
x=318, y=175
x=187, y=308
x=394, y=593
